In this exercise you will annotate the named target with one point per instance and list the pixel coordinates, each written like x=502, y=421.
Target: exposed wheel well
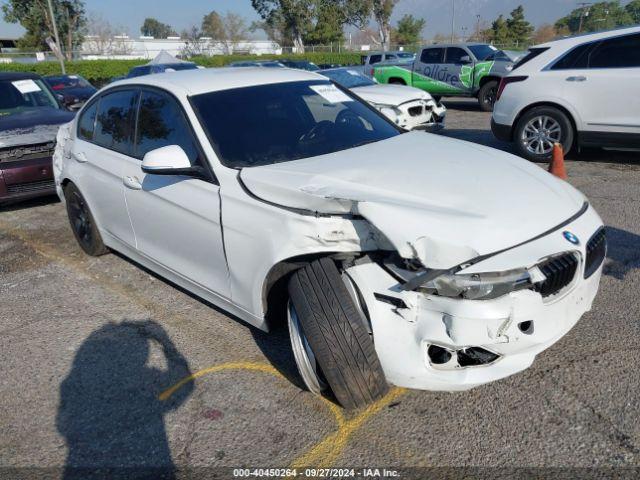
x=275, y=287
x=545, y=104
x=397, y=80
x=487, y=79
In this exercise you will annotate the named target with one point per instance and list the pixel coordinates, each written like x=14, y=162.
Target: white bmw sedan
x=396, y=258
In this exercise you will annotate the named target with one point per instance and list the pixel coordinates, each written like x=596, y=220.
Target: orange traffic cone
x=556, y=167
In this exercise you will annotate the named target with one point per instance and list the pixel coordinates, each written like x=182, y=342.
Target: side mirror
x=169, y=160
x=465, y=59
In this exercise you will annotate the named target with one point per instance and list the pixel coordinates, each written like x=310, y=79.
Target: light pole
x=55, y=34
x=583, y=13
x=478, y=39
x=453, y=20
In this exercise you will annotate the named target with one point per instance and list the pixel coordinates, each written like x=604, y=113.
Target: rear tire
x=333, y=328
x=547, y=119
x=487, y=95
x=82, y=222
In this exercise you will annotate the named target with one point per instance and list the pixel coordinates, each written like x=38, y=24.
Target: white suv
x=579, y=91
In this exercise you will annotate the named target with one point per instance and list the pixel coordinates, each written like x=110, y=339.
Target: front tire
x=537, y=131
x=82, y=222
x=487, y=96
x=336, y=335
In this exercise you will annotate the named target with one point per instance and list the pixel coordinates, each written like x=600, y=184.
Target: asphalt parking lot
x=104, y=365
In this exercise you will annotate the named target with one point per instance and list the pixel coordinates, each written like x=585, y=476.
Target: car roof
x=569, y=42
x=387, y=51
x=11, y=76
x=195, y=82
x=463, y=44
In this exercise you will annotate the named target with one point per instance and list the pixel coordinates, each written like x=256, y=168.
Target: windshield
x=348, y=78
x=65, y=82
x=21, y=95
x=268, y=124
x=482, y=52
x=406, y=55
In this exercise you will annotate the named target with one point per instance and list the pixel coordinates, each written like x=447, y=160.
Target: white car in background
x=409, y=108
x=578, y=91
x=394, y=257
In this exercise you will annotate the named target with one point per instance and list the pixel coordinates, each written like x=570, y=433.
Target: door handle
x=132, y=182
x=576, y=79
x=80, y=157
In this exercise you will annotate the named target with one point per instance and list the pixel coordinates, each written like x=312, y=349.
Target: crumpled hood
x=440, y=200
x=390, y=94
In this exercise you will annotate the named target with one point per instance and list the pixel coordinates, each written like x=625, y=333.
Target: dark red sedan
x=30, y=116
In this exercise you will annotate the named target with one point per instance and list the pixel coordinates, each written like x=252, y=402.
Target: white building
x=125, y=47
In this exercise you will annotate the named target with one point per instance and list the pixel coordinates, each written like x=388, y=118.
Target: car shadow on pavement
x=275, y=345
x=623, y=253
x=109, y=411
x=31, y=203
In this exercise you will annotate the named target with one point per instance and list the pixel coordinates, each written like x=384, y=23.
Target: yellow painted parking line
x=327, y=451
x=324, y=453
x=251, y=366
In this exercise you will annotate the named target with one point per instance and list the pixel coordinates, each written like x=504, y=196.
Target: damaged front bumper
x=433, y=342
x=427, y=115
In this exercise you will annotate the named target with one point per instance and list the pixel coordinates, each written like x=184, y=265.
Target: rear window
x=268, y=124
x=348, y=78
x=533, y=53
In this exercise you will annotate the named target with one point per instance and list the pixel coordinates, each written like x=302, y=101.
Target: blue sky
x=130, y=14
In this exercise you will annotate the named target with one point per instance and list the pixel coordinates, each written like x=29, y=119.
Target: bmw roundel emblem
x=570, y=237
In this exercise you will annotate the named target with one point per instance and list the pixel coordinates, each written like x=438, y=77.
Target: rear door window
x=432, y=55
x=576, y=58
x=114, y=123
x=161, y=122
x=375, y=59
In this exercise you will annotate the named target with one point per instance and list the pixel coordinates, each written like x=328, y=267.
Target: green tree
x=633, y=9
x=328, y=28
x=34, y=16
x=499, y=32
x=154, y=28
x=382, y=11
x=599, y=16
x=293, y=17
x=228, y=29
x=519, y=28
x=408, y=31
x=213, y=26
